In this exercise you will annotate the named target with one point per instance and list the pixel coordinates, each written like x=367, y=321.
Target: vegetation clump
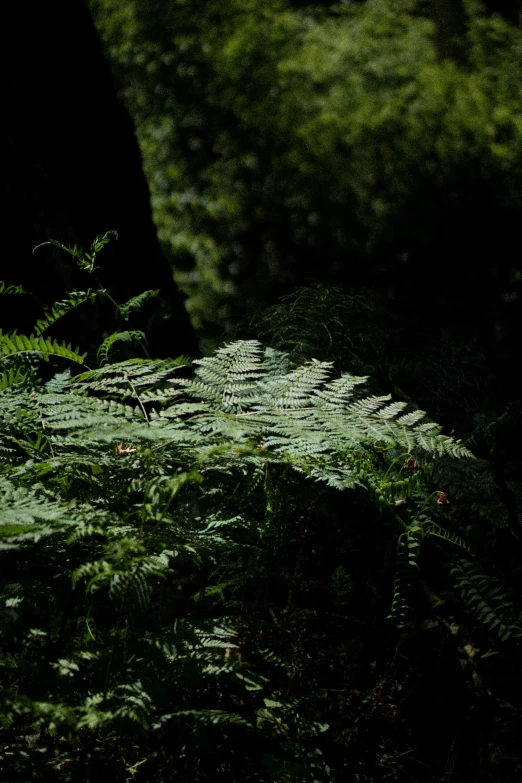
x=217, y=570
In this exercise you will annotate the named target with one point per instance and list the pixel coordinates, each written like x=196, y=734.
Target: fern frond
x=16, y=344
x=13, y=377
x=131, y=336
x=487, y=598
x=11, y=289
x=294, y=390
x=59, y=309
x=408, y=545
x=83, y=260
x=337, y=393
x=431, y=528
x=275, y=363
x=230, y=378
x=26, y=520
x=137, y=303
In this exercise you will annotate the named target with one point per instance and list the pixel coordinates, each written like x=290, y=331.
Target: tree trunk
x=73, y=172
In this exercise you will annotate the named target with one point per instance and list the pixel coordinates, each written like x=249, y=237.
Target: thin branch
x=139, y=400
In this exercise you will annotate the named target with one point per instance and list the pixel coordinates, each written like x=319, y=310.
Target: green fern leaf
x=16, y=344
x=59, y=309
x=119, y=337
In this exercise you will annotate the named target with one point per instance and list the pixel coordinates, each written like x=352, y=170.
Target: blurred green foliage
x=284, y=144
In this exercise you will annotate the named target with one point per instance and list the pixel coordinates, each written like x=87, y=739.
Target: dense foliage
x=249, y=569
x=375, y=142
x=268, y=564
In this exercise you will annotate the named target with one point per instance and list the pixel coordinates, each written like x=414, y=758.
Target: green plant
x=172, y=546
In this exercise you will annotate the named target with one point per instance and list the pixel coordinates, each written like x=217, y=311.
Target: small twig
x=139, y=400
x=164, y=445
x=44, y=429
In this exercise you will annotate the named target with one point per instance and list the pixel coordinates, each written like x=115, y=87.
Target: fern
x=13, y=377
x=167, y=523
x=360, y=331
x=408, y=546
x=135, y=336
x=85, y=261
x=326, y=322
x=18, y=345
x=59, y=309
x=228, y=379
x=135, y=304
x=487, y=598
x=11, y=289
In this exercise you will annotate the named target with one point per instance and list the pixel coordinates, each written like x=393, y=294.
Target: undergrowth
x=199, y=560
